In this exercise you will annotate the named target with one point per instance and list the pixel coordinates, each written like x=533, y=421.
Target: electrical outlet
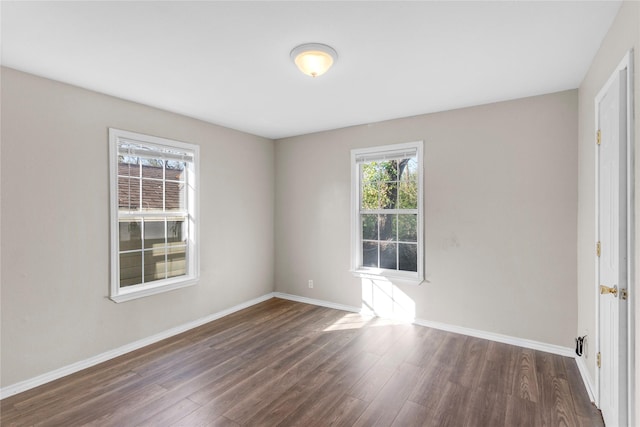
x=310, y=284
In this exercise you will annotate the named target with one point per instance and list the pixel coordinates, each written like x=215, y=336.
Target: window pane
x=408, y=195
x=370, y=196
x=128, y=194
x=175, y=195
x=380, y=171
x=153, y=234
x=175, y=170
x=388, y=256
x=369, y=254
x=370, y=227
x=152, y=168
x=388, y=195
x=151, y=194
x=130, y=269
x=128, y=166
x=154, y=264
x=408, y=228
x=408, y=257
x=176, y=231
x=369, y=172
x=176, y=261
x=408, y=169
x=388, y=170
x=130, y=235
x=387, y=226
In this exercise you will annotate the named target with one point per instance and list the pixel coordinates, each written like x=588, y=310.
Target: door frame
x=625, y=64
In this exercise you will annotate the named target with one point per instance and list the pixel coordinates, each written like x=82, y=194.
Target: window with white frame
x=153, y=214
x=387, y=217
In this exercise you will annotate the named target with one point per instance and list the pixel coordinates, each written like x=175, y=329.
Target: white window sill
x=140, y=291
x=389, y=276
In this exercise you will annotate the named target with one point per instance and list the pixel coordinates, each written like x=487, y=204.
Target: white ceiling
x=228, y=62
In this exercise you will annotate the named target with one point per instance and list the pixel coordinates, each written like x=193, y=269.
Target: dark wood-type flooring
x=291, y=364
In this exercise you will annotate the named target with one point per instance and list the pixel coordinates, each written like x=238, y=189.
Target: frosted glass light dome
x=314, y=59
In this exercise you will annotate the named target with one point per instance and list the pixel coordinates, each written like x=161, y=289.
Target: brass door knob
x=607, y=290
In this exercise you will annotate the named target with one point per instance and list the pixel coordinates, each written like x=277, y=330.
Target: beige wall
x=623, y=35
x=500, y=216
x=55, y=225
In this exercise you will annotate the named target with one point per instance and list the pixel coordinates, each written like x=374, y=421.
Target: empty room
x=315, y=213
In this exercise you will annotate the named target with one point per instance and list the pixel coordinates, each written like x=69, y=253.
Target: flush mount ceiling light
x=314, y=59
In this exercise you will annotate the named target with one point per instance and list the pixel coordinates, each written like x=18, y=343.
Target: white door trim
x=625, y=65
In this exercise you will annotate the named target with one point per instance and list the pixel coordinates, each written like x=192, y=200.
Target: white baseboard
x=83, y=364
x=318, y=302
x=586, y=378
x=506, y=339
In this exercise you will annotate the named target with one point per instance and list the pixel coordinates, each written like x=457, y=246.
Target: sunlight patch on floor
x=382, y=298
x=357, y=321
x=383, y=304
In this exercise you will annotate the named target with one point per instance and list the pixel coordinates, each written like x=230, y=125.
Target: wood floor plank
x=451, y=349
x=262, y=396
x=405, y=341
x=204, y=417
x=33, y=410
x=591, y=421
x=424, y=349
x=37, y=413
x=485, y=409
x=370, y=384
x=214, y=378
x=412, y=414
x=470, y=362
x=525, y=383
x=287, y=363
x=93, y=380
x=170, y=414
x=328, y=395
x=556, y=404
x=550, y=365
x=378, y=339
x=388, y=403
x=95, y=410
x=583, y=406
x=427, y=390
x=118, y=415
x=523, y=413
x=288, y=402
x=506, y=357
x=498, y=375
x=344, y=414
x=208, y=379
x=450, y=410
x=224, y=422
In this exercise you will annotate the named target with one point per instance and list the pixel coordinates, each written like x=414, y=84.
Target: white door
x=612, y=262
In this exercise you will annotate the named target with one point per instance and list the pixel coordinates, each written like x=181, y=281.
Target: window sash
x=395, y=239
x=153, y=216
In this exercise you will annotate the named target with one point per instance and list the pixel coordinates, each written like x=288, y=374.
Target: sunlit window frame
x=357, y=269
x=154, y=145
